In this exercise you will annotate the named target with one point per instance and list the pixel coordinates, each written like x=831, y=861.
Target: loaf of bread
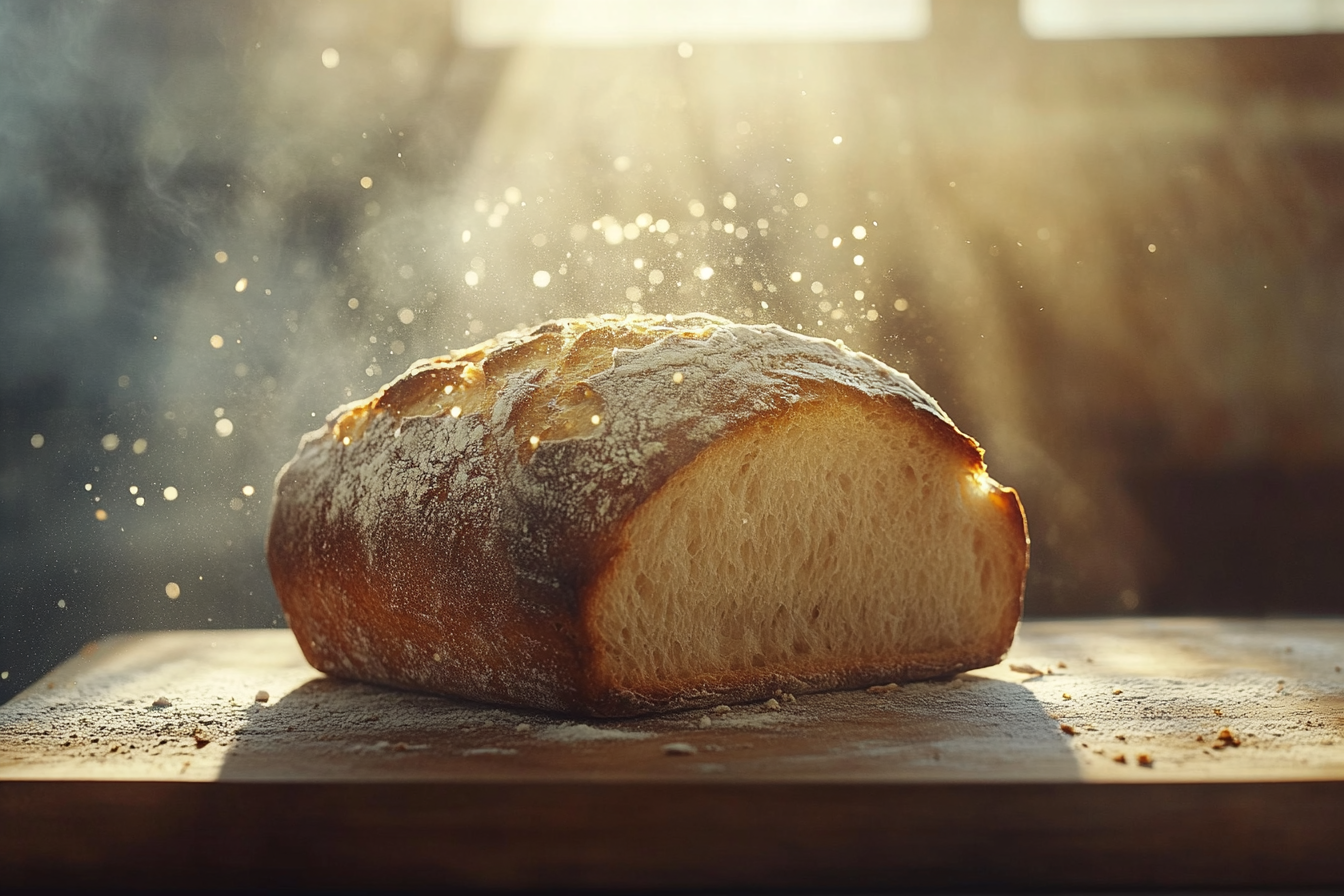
x=620, y=515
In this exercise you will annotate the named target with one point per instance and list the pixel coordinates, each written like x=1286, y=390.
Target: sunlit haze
x=1117, y=264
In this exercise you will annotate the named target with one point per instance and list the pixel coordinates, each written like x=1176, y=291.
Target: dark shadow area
x=1245, y=541
x=968, y=728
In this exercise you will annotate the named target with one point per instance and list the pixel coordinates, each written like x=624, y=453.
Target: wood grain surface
x=1138, y=752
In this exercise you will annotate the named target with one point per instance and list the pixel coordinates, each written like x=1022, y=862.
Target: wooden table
x=1113, y=753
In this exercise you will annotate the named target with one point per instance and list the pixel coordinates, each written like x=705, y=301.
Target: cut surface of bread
x=612, y=516
x=836, y=539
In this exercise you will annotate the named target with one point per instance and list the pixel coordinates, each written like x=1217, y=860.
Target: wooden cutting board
x=1136, y=752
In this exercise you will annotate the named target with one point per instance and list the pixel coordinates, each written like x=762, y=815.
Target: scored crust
x=474, y=528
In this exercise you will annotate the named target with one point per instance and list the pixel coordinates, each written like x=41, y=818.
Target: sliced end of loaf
x=841, y=543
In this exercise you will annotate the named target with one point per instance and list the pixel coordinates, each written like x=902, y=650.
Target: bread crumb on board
x=161, y=703
x=1068, y=696
x=1068, y=729
x=884, y=688
x=1025, y=669
x=678, y=749
x=1144, y=760
x=1227, y=738
x=262, y=697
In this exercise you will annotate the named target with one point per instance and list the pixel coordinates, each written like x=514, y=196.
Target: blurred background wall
x=1118, y=263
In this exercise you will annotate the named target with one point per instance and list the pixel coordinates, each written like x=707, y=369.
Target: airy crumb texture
x=553, y=519
x=841, y=535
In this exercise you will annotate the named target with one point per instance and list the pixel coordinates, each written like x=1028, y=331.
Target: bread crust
x=453, y=532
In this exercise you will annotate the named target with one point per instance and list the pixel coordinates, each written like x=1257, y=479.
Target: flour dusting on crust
x=474, y=473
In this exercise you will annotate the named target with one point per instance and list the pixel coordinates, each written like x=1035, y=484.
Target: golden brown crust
x=447, y=533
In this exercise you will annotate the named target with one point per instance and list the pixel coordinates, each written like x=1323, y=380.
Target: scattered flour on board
x=581, y=732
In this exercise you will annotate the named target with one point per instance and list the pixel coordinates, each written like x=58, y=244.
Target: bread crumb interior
x=838, y=533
